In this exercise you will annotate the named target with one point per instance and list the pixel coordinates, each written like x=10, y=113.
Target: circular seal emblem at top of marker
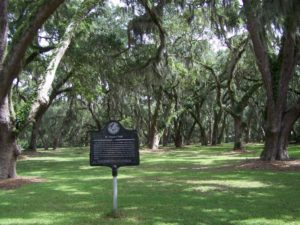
x=113, y=128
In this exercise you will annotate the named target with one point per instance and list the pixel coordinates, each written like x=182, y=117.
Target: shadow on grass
x=157, y=192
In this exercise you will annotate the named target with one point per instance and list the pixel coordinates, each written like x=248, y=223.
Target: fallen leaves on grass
x=290, y=165
x=14, y=183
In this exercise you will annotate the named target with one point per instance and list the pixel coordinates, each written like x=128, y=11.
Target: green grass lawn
x=191, y=185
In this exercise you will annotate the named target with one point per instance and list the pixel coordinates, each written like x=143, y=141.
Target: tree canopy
x=179, y=72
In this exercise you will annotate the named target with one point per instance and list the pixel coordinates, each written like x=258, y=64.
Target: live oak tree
x=48, y=89
x=238, y=92
x=274, y=31
x=147, y=23
x=184, y=50
x=12, y=53
x=12, y=64
x=227, y=26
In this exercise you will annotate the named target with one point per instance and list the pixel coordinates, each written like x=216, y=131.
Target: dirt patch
x=208, y=168
x=25, y=155
x=290, y=165
x=238, y=152
x=32, y=153
x=15, y=183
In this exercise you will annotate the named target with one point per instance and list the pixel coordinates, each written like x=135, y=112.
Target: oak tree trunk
x=238, y=131
x=166, y=137
x=271, y=143
x=44, y=140
x=35, y=128
x=276, y=141
x=203, y=135
x=190, y=133
x=34, y=136
x=154, y=136
x=282, y=153
x=178, y=140
x=276, y=144
x=215, y=131
x=56, y=142
x=9, y=150
x=222, y=130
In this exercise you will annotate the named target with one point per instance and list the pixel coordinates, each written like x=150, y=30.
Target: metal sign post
x=115, y=188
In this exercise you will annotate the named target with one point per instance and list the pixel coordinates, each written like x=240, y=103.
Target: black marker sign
x=114, y=146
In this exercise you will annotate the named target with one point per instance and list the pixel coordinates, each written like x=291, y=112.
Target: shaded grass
x=179, y=186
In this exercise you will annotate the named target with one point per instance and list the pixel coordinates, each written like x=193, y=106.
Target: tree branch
x=260, y=49
x=12, y=64
x=40, y=50
x=245, y=99
x=288, y=62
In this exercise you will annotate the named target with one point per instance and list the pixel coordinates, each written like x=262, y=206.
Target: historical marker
x=114, y=146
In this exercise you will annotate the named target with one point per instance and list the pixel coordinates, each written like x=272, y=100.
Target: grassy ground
x=192, y=185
